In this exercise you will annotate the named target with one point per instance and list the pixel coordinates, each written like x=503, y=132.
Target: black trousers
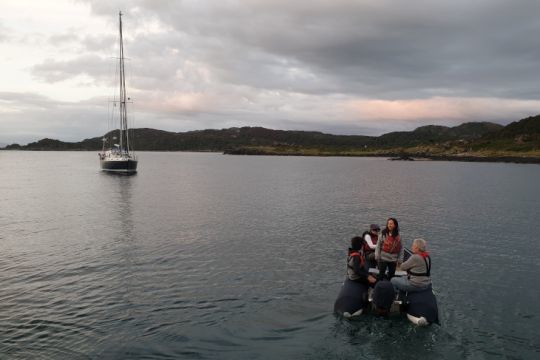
x=370, y=260
x=383, y=265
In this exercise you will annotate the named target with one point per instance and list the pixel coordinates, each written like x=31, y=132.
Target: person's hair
x=356, y=242
x=420, y=244
x=396, y=229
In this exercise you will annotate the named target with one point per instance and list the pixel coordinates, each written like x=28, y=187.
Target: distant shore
x=517, y=142
x=518, y=159
x=525, y=159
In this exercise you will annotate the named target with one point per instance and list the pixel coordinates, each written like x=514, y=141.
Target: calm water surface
x=206, y=256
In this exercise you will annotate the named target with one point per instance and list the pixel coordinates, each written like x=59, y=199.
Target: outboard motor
x=383, y=297
x=421, y=307
x=352, y=299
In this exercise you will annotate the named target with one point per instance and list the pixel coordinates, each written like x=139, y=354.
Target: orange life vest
x=353, y=253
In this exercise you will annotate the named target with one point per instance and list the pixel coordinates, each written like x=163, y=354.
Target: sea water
x=209, y=256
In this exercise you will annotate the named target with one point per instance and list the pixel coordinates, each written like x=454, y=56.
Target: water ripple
x=204, y=256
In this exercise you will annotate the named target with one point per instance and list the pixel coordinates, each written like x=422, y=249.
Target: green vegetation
x=520, y=139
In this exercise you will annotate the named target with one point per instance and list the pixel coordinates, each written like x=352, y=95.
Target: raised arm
x=367, y=239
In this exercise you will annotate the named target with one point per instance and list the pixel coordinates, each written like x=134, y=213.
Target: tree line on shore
x=521, y=138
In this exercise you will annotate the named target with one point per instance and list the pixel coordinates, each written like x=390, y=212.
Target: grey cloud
x=37, y=116
x=387, y=49
x=53, y=71
x=88, y=43
x=238, y=52
x=65, y=38
x=26, y=100
x=99, y=44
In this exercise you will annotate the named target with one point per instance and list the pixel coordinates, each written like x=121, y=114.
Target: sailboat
x=120, y=156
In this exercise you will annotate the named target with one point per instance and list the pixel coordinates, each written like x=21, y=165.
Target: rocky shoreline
x=391, y=156
x=505, y=159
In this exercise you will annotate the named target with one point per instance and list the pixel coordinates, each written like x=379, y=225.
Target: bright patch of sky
x=343, y=67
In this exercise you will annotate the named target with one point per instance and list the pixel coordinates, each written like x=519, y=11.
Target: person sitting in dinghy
x=356, y=268
x=389, y=252
x=418, y=268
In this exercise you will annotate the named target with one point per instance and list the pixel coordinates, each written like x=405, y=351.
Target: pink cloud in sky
x=441, y=108
x=186, y=102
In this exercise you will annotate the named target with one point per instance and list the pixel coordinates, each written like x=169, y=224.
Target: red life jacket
x=392, y=245
x=351, y=274
x=374, y=239
x=356, y=253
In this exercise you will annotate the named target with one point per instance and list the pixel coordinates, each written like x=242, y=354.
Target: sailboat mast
x=118, y=157
x=124, y=145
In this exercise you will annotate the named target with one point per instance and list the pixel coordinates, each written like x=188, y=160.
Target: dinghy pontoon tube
x=421, y=307
x=352, y=299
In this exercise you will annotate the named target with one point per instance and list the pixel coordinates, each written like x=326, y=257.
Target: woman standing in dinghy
x=389, y=251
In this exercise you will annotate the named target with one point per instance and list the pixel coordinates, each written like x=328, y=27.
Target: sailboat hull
x=121, y=166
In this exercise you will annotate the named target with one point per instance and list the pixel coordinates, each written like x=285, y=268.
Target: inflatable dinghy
x=352, y=299
x=357, y=298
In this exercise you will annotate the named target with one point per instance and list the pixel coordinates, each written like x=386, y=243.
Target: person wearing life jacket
x=389, y=251
x=370, y=243
x=418, y=268
x=356, y=269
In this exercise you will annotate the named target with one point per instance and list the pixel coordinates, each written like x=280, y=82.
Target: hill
x=519, y=136
x=209, y=140
x=432, y=134
x=476, y=139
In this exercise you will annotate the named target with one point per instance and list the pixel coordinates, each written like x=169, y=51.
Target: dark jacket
x=356, y=269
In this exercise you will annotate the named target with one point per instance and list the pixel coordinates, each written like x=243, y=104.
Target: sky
x=360, y=67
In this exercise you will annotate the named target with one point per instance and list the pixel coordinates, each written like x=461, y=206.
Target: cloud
x=441, y=110
x=485, y=48
x=363, y=67
x=91, y=65
x=362, y=48
x=27, y=117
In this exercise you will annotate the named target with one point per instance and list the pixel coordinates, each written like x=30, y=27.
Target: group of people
x=384, y=250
